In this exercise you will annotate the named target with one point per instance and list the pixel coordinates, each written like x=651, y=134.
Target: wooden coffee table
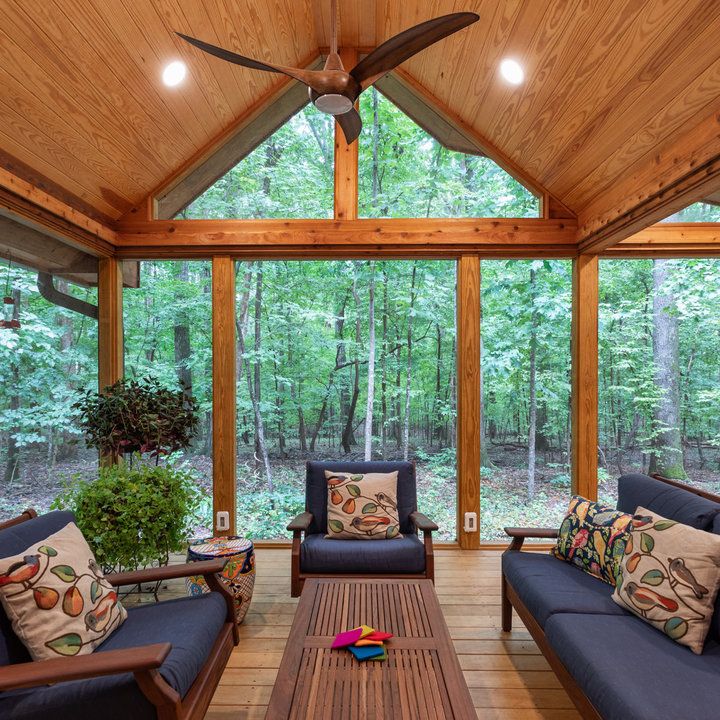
x=420, y=680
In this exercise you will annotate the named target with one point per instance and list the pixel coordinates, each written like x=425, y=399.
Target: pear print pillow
x=362, y=506
x=669, y=576
x=57, y=598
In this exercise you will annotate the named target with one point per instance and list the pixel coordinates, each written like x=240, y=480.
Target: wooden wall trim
x=110, y=322
x=224, y=388
x=346, y=161
x=584, y=348
x=468, y=396
x=670, y=240
x=684, y=170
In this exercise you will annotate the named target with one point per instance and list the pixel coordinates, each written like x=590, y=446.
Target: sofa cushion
x=547, y=585
x=628, y=671
x=399, y=556
x=190, y=624
x=14, y=540
x=671, y=502
x=316, y=489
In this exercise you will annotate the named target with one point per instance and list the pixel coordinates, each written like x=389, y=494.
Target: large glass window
x=697, y=212
x=343, y=360
x=525, y=440
x=405, y=172
x=659, y=402
x=289, y=175
x=43, y=365
x=168, y=336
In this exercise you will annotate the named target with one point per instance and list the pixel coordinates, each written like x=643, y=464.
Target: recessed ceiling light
x=512, y=71
x=174, y=73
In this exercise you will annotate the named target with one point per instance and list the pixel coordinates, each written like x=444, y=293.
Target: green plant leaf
x=391, y=532
x=64, y=572
x=646, y=543
x=47, y=550
x=356, y=478
x=354, y=490
x=664, y=524
x=653, y=577
x=68, y=644
x=95, y=591
x=336, y=526
x=369, y=508
x=675, y=628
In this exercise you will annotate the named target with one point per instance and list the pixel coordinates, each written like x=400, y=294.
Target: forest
x=356, y=359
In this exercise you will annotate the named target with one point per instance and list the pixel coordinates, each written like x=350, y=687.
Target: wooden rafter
x=670, y=240
x=668, y=179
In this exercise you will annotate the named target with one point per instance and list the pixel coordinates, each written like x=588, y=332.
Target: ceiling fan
x=333, y=90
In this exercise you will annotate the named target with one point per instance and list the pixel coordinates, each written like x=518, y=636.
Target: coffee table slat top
x=420, y=680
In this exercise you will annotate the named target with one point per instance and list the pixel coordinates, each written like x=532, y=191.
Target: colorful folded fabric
x=380, y=657
x=367, y=641
x=366, y=653
x=377, y=635
x=350, y=637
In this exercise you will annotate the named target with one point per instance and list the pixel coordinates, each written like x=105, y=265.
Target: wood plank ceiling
x=82, y=105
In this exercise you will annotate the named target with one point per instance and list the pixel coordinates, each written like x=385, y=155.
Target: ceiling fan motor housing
x=331, y=103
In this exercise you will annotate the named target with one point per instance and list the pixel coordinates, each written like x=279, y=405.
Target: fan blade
x=399, y=48
x=351, y=125
x=304, y=76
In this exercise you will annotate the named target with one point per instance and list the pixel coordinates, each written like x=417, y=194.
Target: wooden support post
x=110, y=322
x=585, y=376
x=223, y=363
x=468, y=395
x=346, y=161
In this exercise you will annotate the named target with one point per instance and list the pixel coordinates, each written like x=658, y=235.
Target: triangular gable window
x=697, y=212
x=405, y=172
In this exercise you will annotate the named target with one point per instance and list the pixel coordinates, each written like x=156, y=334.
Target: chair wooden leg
x=429, y=557
x=295, y=582
x=506, y=607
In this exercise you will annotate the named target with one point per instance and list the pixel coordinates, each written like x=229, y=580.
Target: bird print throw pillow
x=57, y=598
x=362, y=506
x=592, y=537
x=669, y=576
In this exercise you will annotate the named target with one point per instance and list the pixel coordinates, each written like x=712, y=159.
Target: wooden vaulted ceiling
x=83, y=112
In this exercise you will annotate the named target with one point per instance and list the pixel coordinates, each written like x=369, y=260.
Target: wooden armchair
x=164, y=662
x=315, y=556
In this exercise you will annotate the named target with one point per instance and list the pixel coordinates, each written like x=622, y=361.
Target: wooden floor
x=507, y=676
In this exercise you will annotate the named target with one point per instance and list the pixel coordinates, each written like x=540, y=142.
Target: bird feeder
x=8, y=321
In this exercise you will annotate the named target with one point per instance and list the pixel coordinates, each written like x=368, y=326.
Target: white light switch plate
x=222, y=521
x=470, y=524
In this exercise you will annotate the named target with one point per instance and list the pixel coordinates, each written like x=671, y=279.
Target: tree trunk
x=532, y=425
x=408, y=375
x=257, y=392
x=348, y=437
x=371, y=366
x=181, y=334
x=383, y=371
x=12, y=465
x=667, y=455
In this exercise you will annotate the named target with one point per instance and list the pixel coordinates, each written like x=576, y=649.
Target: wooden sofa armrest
x=422, y=522
x=42, y=672
x=301, y=522
x=167, y=572
x=519, y=535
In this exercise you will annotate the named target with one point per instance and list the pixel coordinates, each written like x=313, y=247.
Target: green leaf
x=356, y=478
x=646, y=543
x=354, y=490
x=336, y=525
x=64, y=572
x=653, y=577
x=95, y=591
x=369, y=508
x=675, y=628
x=664, y=524
x=391, y=532
x=69, y=644
x=47, y=550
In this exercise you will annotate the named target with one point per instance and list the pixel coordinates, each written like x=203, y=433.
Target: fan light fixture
x=174, y=73
x=512, y=71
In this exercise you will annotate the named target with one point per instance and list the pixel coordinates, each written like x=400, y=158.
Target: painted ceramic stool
x=239, y=572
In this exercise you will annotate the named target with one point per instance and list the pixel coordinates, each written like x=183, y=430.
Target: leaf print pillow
x=362, y=506
x=669, y=576
x=57, y=597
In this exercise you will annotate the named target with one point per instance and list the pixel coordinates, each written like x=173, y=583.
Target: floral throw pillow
x=669, y=576
x=592, y=536
x=57, y=598
x=362, y=506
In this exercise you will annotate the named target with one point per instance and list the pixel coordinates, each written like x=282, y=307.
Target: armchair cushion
x=191, y=625
x=403, y=555
x=316, y=489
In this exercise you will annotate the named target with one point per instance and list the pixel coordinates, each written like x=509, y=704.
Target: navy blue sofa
x=164, y=661
x=613, y=665
x=318, y=556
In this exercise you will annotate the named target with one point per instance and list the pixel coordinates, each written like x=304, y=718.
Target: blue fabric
x=671, y=502
x=13, y=541
x=547, y=585
x=316, y=489
x=631, y=671
x=399, y=556
x=190, y=624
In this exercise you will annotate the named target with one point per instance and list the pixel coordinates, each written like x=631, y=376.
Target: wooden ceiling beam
x=681, y=172
x=670, y=240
